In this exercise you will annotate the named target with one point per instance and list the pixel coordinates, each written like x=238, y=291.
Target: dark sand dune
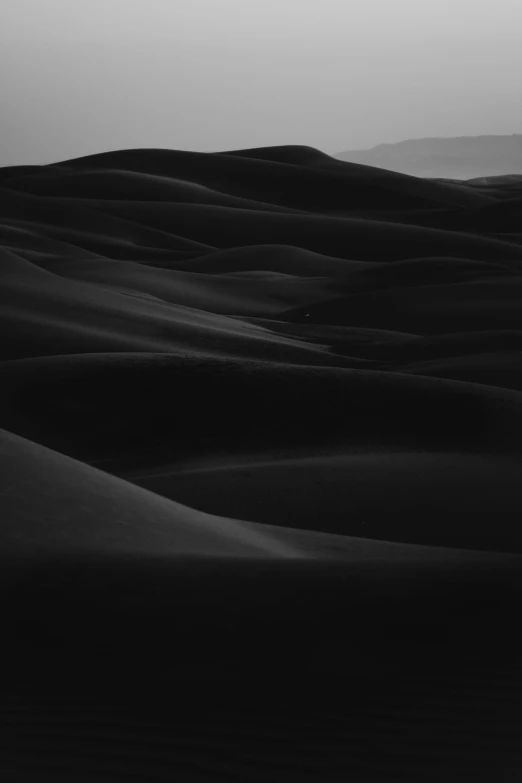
x=133, y=186
x=261, y=426
x=475, y=305
x=219, y=227
x=277, y=177
x=258, y=259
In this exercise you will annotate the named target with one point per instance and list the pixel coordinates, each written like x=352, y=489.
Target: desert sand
x=261, y=426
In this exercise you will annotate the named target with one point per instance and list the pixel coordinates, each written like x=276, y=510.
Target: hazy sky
x=84, y=76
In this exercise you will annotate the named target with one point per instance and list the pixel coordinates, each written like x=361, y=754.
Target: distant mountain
x=465, y=157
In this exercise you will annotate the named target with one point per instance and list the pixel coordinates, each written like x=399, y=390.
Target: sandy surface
x=261, y=416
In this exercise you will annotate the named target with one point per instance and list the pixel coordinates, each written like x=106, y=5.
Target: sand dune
x=363, y=494
x=261, y=416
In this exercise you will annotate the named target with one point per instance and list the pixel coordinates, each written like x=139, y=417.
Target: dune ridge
x=260, y=447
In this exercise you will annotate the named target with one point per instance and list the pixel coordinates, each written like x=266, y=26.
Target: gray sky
x=84, y=76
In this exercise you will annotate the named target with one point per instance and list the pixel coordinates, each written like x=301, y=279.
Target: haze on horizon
x=85, y=76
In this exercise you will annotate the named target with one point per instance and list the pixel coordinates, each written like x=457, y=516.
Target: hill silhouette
x=462, y=157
